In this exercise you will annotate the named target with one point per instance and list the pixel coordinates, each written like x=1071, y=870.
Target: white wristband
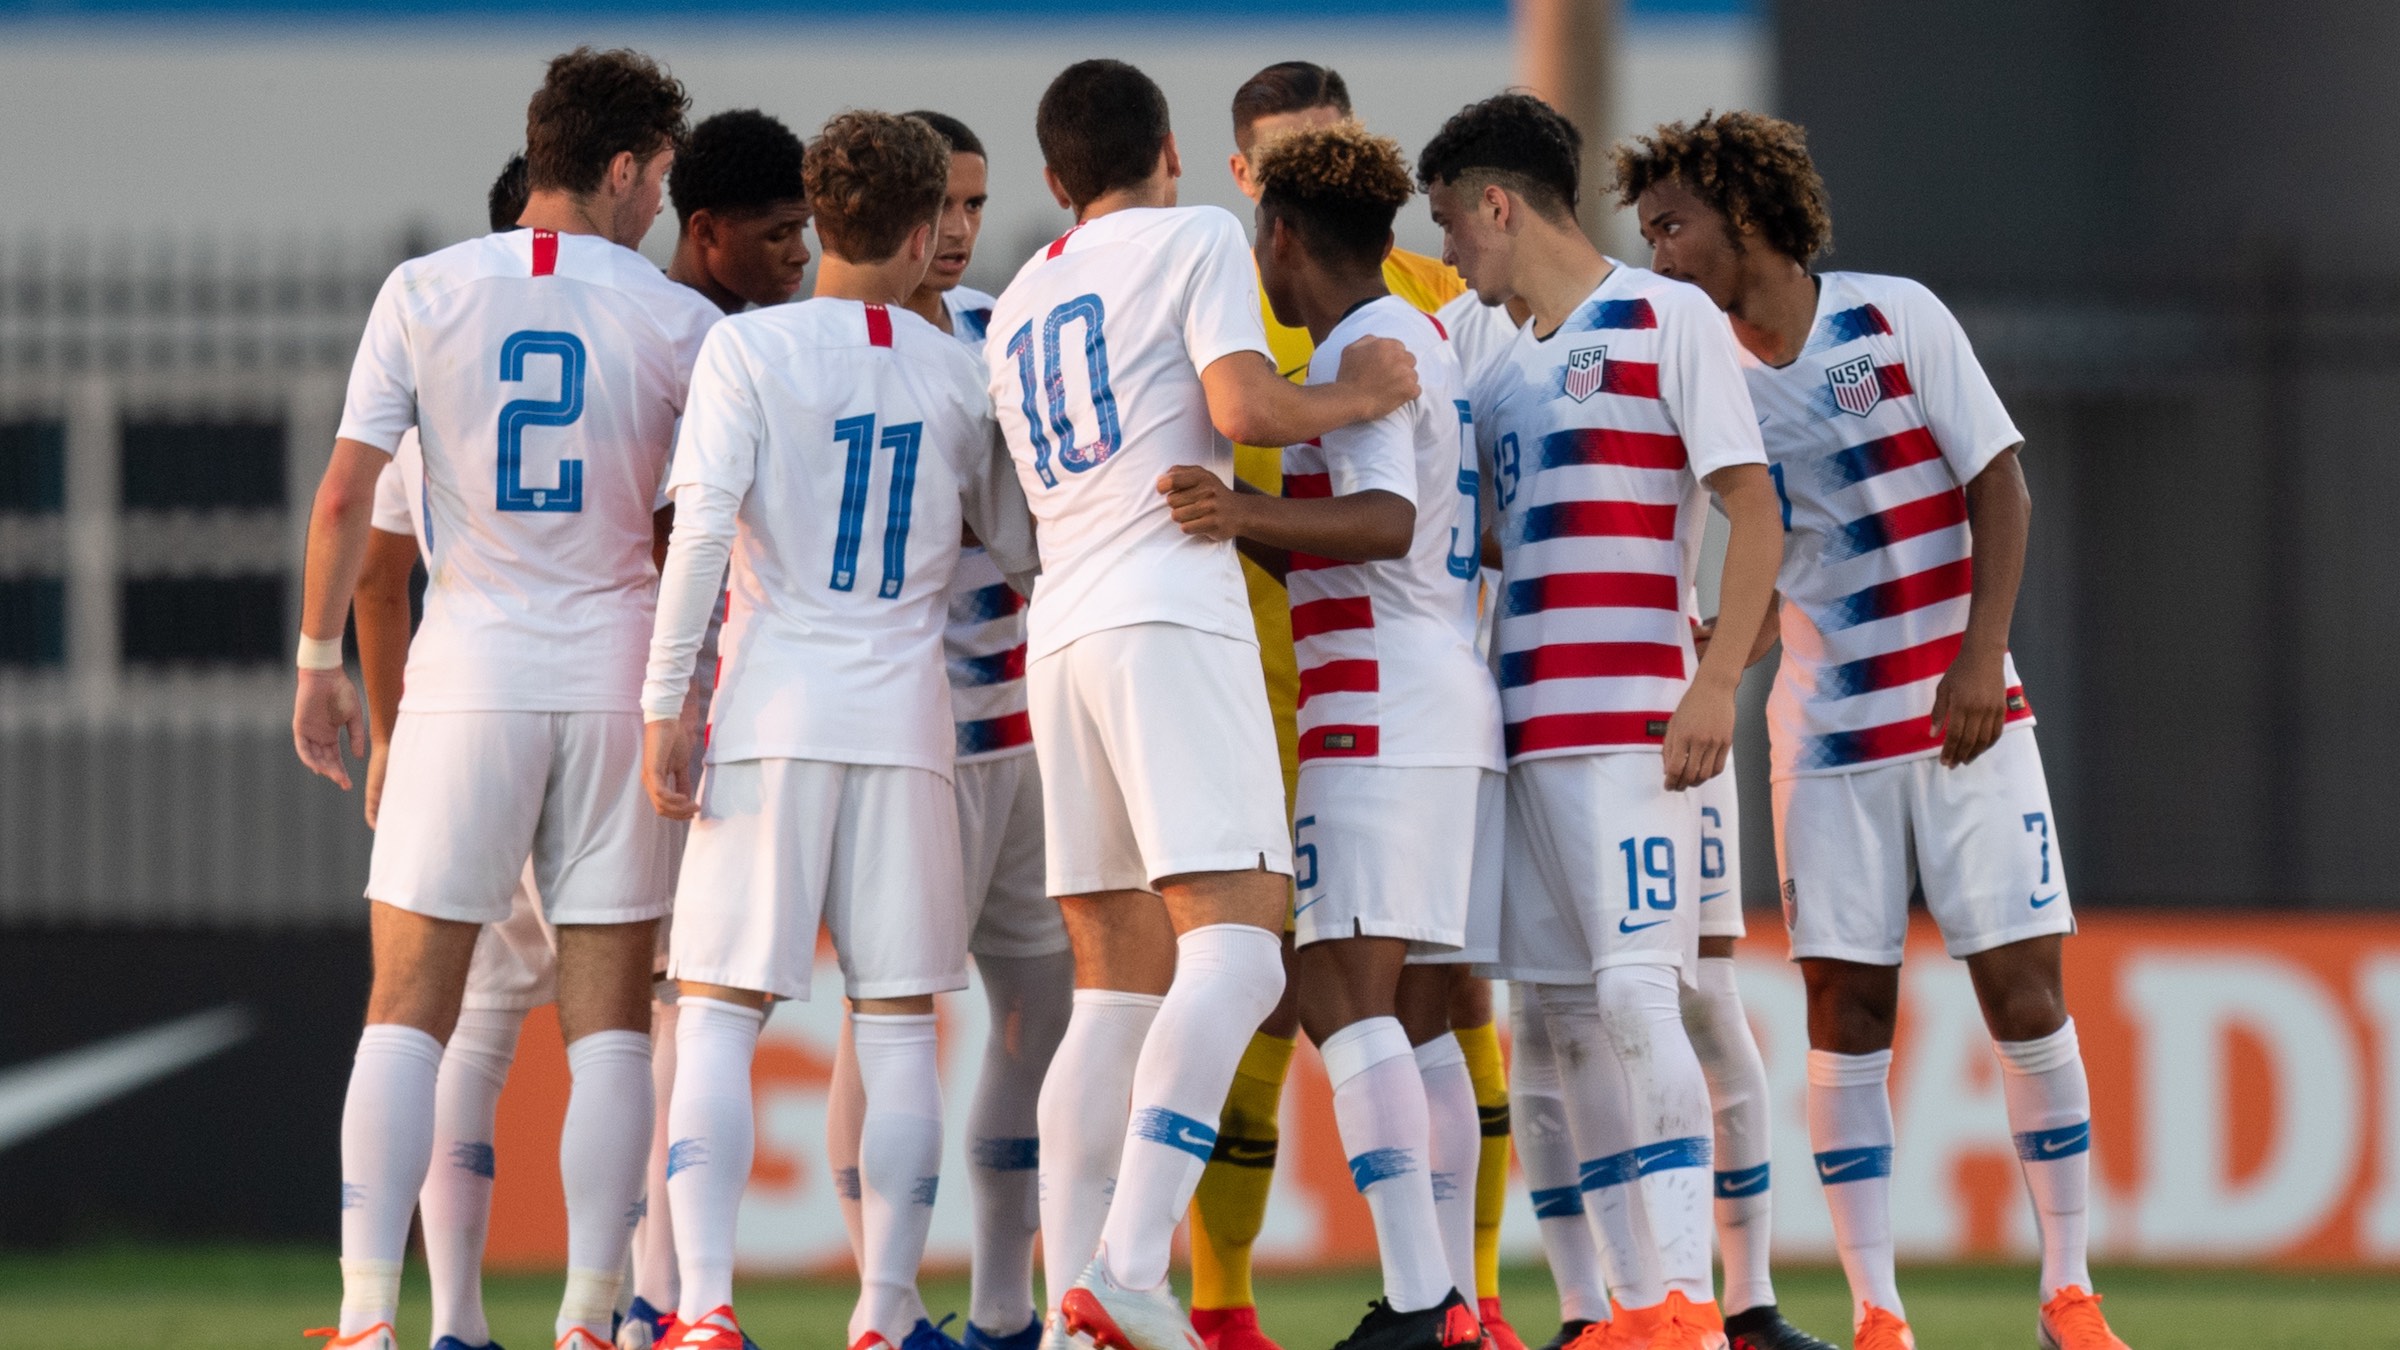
x=320, y=653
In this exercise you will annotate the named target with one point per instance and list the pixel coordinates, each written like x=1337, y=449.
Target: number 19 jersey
x=1095, y=352
x=544, y=374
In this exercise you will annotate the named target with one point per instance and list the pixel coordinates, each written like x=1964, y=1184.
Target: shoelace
x=2079, y=1316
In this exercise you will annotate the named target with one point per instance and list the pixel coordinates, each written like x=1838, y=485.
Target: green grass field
x=168, y=1299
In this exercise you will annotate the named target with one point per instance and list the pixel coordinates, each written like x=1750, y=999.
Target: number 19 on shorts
x=1649, y=882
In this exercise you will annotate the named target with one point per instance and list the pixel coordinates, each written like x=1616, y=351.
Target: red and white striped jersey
x=1599, y=437
x=1873, y=432
x=983, y=643
x=1388, y=670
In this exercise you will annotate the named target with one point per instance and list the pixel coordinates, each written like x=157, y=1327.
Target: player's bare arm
x=1970, y=705
x=1250, y=403
x=1365, y=526
x=325, y=706
x=380, y=613
x=1700, y=734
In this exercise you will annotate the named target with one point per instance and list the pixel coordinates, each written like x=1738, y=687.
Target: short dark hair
x=506, y=201
x=1287, y=87
x=1752, y=168
x=1102, y=125
x=962, y=141
x=739, y=162
x=1339, y=187
x=594, y=106
x=1514, y=140
x=873, y=177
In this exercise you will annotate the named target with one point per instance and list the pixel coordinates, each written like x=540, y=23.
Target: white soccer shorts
x=515, y=968
x=1158, y=759
x=870, y=850
x=1009, y=910
x=1602, y=869
x=1980, y=840
x=470, y=796
x=1720, y=857
x=1400, y=852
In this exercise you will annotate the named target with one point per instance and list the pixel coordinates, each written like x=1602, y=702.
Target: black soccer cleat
x=1447, y=1325
x=1763, y=1328
x=1567, y=1332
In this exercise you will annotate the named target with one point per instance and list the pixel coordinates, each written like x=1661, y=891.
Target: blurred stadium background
x=2168, y=228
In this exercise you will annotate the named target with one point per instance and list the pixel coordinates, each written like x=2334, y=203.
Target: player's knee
x=2024, y=1010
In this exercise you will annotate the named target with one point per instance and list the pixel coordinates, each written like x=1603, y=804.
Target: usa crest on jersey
x=1856, y=387
x=1587, y=369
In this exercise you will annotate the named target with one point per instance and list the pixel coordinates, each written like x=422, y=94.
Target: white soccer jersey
x=1600, y=436
x=543, y=374
x=984, y=643
x=1388, y=670
x=1479, y=333
x=397, y=487
x=1873, y=432
x=856, y=440
x=970, y=314
x=1095, y=357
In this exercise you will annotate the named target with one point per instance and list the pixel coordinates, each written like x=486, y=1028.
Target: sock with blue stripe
x=1085, y=1100
x=1227, y=978
x=1456, y=1144
x=899, y=1166
x=1380, y=1108
x=2050, y=1113
x=713, y=1137
x=1737, y=1092
x=1850, y=1127
x=1600, y=1117
x=1642, y=1008
x=455, y=1204
x=603, y=1153
x=1546, y=1150
x=1030, y=998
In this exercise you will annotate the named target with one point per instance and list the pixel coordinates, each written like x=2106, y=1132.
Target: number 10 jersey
x=544, y=374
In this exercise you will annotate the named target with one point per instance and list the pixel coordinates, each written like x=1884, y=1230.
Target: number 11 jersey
x=543, y=373
x=1095, y=352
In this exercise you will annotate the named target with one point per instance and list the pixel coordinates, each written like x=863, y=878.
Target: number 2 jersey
x=838, y=446
x=1599, y=437
x=1095, y=352
x=543, y=373
x=1873, y=430
x=1388, y=669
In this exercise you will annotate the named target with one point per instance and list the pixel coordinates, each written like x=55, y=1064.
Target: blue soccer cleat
x=930, y=1336
x=1028, y=1339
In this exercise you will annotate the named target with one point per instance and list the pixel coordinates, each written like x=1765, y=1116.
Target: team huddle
x=1219, y=635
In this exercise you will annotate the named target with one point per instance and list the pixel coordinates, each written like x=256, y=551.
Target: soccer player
x=1615, y=412
x=1471, y=1117
x=1126, y=348
x=821, y=436
x=543, y=369
x=1399, y=804
x=1903, y=746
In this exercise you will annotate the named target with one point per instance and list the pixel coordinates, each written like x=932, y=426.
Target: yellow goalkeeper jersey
x=1424, y=282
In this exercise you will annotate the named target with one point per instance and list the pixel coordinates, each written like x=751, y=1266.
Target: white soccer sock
x=1600, y=1118
x=387, y=1144
x=1455, y=1132
x=654, y=1275
x=2050, y=1113
x=1850, y=1129
x=1380, y=1107
x=1737, y=1090
x=1668, y=1093
x=1085, y=1101
x=1546, y=1151
x=708, y=1160
x=845, y=1116
x=1227, y=978
x=456, y=1200
x=602, y=1150
x=1030, y=998
x=899, y=1166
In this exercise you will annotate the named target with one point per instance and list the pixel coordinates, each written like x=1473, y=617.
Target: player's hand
x=1699, y=736
x=1381, y=371
x=667, y=768
x=378, y=760
x=1970, y=707
x=1201, y=502
x=323, y=708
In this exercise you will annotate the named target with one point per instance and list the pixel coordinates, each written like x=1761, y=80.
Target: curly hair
x=1102, y=125
x=1339, y=187
x=873, y=177
x=739, y=162
x=1514, y=140
x=594, y=106
x=1752, y=168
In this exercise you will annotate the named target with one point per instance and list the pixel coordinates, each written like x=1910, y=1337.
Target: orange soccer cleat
x=1503, y=1336
x=2071, y=1320
x=380, y=1336
x=1231, y=1329
x=579, y=1339
x=1882, y=1330
x=717, y=1331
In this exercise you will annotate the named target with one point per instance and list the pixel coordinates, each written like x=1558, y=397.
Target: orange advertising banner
x=2245, y=1085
